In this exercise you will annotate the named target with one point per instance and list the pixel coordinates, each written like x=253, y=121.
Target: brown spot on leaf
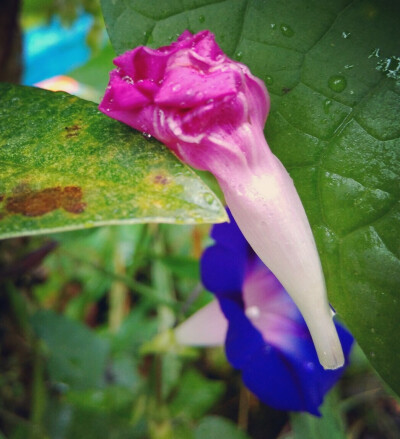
x=161, y=179
x=72, y=199
x=72, y=131
x=37, y=203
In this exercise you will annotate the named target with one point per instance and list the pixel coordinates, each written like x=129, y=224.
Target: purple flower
x=210, y=111
x=265, y=335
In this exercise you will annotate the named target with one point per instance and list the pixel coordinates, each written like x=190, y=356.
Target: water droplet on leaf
x=337, y=83
x=327, y=105
x=269, y=80
x=202, y=19
x=147, y=136
x=346, y=35
x=208, y=198
x=239, y=55
x=390, y=67
x=374, y=53
x=286, y=30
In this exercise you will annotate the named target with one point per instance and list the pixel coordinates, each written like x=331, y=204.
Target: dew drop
x=346, y=35
x=273, y=26
x=202, y=19
x=327, y=105
x=286, y=30
x=208, y=198
x=374, y=53
x=269, y=80
x=390, y=67
x=176, y=87
x=349, y=66
x=239, y=55
x=128, y=79
x=147, y=136
x=337, y=83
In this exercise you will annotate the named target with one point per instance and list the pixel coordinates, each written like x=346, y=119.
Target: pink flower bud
x=210, y=111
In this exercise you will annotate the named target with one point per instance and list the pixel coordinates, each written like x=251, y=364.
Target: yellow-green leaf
x=64, y=166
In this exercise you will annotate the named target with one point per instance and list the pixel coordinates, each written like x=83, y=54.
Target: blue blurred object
x=53, y=49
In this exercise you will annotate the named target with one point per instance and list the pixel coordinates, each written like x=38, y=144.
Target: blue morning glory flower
x=265, y=335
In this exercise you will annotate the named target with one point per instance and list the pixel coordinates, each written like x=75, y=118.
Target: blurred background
x=84, y=316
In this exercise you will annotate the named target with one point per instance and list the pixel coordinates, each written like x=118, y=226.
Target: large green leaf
x=329, y=426
x=64, y=166
x=76, y=356
x=331, y=71
x=216, y=427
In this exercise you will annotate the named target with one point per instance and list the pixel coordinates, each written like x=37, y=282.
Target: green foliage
x=196, y=395
x=67, y=166
x=76, y=357
x=333, y=123
x=214, y=427
x=329, y=426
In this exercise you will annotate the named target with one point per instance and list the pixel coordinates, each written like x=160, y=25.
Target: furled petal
x=207, y=327
x=185, y=88
x=210, y=111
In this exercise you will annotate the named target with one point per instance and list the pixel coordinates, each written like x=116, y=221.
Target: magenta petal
x=185, y=87
x=148, y=87
x=142, y=63
x=120, y=95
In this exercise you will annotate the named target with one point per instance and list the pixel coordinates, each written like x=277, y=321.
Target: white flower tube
x=271, y=216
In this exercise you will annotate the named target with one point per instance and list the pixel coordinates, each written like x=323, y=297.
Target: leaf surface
x=64, y=166
x=333, y=73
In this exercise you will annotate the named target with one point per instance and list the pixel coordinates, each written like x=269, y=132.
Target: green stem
x=38, y=403
x=144, y=290
x=243, y=416
x=118, y=295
